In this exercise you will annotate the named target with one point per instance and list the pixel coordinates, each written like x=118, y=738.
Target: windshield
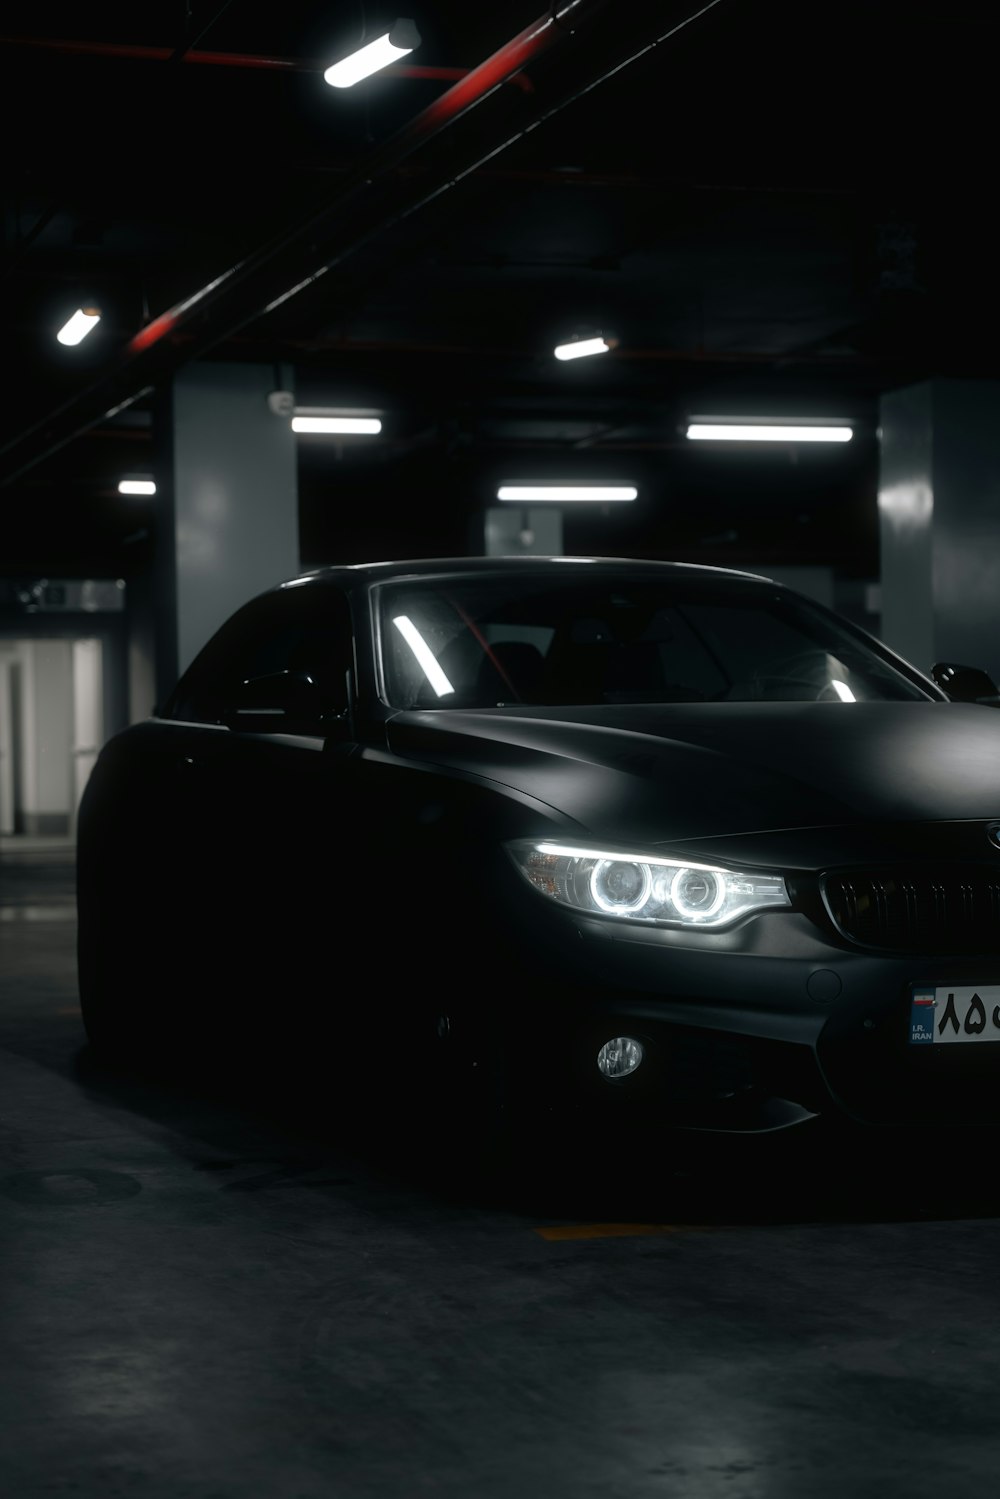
x=494, y=640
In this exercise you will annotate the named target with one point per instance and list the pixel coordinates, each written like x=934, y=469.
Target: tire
x=472, y=1131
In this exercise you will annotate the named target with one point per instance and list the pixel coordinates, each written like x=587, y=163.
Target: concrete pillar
x=939, y=511
x=227, y=502
x=141, y=687
x=513, y=531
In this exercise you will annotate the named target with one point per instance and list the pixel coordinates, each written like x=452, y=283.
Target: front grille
x=946, y=908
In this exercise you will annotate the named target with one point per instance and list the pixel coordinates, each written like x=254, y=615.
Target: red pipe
x=229, y=59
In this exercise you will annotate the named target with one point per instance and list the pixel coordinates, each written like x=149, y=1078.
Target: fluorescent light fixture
x=79, y=325
x=425, y=656
x=397, y=42
x=356, y=426
x=843, y=691
x=581, y=347
x=519, y=494
x=136, y=486
x=762, y=432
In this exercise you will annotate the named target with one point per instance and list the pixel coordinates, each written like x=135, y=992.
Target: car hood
x=708, y=771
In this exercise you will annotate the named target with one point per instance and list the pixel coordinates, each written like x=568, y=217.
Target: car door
x=261, y=749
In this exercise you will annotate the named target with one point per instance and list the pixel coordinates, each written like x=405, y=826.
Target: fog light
x=619, y=1057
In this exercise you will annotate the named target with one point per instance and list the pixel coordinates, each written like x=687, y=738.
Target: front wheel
x=111, y=998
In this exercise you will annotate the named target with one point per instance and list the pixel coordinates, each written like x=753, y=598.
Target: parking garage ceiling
x=774, y=209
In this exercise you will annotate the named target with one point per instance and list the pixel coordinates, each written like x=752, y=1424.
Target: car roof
x=349, y=574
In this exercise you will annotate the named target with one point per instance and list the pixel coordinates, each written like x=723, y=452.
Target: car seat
x=511, y=673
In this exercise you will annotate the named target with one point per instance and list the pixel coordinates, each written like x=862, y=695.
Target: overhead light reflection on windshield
x=843, y=691
x=425, y=656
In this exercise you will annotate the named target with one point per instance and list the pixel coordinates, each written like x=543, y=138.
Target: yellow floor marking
x=612, y=1230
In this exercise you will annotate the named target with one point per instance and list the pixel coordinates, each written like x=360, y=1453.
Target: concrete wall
x=61, y=720
x=53, y=729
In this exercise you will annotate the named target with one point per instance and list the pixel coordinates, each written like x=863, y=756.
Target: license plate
x=948, y=1013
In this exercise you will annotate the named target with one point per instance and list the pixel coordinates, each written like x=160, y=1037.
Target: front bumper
x=754, y=1029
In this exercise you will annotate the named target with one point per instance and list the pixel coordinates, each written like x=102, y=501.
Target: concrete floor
x=207, y=1295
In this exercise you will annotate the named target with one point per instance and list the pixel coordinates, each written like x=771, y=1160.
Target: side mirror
x=966, y=684
x=287, y=702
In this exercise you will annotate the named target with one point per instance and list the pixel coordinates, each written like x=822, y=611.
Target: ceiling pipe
x=190, y=41
x=371, y=198
x=199, y=57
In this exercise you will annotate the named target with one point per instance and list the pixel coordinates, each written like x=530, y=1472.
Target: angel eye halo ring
x=698, y=892
x=619, y=886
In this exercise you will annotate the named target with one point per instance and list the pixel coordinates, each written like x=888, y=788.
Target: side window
x=296, y=631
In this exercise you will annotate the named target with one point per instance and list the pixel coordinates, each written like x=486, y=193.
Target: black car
x=561, y=835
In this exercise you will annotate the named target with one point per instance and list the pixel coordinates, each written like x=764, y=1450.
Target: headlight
x=643, y=887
